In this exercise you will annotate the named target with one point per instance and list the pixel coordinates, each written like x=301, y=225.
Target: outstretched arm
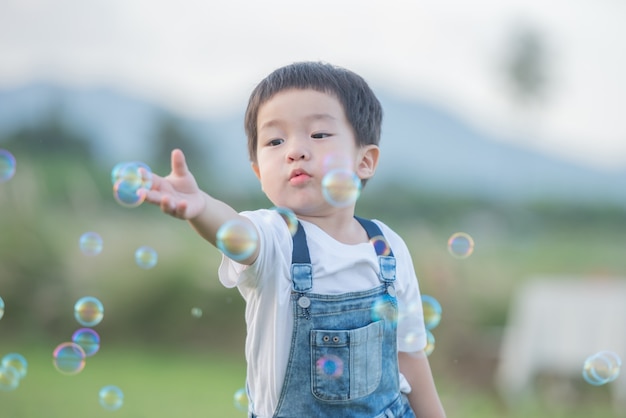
x=178, y=195
x=423, y=397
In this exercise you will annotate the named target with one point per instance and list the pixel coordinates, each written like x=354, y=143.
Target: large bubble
x=69, y=358
x=237, y=239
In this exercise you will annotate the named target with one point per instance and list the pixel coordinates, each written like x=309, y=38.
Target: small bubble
x=88, y=340
x=146, y=257
x=461, y=245
x=17, y=361
x=88, y=311
x=196, y=312
x=329, y=366
x=381, y=245
x=601, y=367
x=384, y=308
x=341, y=187
x=90, y=243
x=1, y=307
x=69, y=358
x=111, y=397
x=7, y=165
x=9, y=378
x=240, y=399
x=430, y=343
x=290, y=219
x=237, y=239
x=432, y=311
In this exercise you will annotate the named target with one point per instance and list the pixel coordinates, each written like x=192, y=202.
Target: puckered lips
x=298, y=177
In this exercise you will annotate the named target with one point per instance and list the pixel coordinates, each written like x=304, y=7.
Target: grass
x=155, y=382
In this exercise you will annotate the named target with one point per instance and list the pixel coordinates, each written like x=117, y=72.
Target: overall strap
x=374, y=231
x=301, y=269
x=386, y=260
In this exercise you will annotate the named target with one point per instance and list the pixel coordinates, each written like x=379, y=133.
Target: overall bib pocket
x=346, y=364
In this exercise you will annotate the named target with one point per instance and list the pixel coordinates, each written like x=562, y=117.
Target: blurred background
x=503, y=120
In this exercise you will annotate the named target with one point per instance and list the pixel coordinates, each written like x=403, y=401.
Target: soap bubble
x=237, y=239
x=601, y=367
x=16, y=361
x=7, y=165
x=90, y=243
x=111, y=397
x=290, y=219
x=330, y=366
x=69, y=358
x=432, y=311
x=9, y=378
x=240, y=399
x=146, y=257
x=341, y=187
x=88, y=340
x=461, y=245
x=88, y=311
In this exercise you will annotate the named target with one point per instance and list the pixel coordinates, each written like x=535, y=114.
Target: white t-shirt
x=337, y=268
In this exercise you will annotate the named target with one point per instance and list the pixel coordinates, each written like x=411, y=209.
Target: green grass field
x=156, y=383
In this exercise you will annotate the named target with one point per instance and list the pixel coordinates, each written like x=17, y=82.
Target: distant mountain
x=423, y=147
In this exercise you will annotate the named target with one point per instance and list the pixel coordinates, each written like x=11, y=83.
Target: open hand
x=178, y=193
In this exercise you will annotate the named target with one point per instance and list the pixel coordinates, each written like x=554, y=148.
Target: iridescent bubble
x=430, y=342
x=461, y=245
x=17, y=361
x=69, y=358
x=90, y=243
x=384, y=308
x=1, y=307
x=329, y=366
x=341, y=187
x=88, y=311
x=7, y=165
x=88, y=339
x=9, y=378
x=146, y=257
x=432, y=311
x=135, y=173
x=126, y=194
x=111, y=397
x=237, y=239
x=241, y=399
x=381, y=245
x=289, y=217
x=601, y=367
x=196, y=312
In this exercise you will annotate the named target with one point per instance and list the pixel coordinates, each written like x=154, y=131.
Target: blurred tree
x=527, y=64
x=171, y=133
x=51, y=136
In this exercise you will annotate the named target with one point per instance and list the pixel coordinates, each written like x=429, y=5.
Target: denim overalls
x=343, y=357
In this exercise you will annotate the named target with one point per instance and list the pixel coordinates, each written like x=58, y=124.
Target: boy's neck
x=342, y=226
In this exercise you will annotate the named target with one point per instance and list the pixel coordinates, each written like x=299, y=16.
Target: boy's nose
x=298, y=152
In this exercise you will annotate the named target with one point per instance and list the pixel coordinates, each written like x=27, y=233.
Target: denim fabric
x=343, y=358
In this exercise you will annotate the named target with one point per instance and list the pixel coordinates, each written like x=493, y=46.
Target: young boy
x=334, y=323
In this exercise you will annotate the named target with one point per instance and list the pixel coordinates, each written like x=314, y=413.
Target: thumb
x=179, y=165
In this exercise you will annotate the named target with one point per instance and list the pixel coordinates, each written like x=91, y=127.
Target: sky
x=203, y=57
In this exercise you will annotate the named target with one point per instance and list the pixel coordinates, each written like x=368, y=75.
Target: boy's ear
x=255, y=168
x=368, y=161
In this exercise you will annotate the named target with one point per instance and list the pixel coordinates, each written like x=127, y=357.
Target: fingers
x=179, y=164
x=175, y=209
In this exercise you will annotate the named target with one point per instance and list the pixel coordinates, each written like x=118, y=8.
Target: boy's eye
x=320, y=135
x=274, y=142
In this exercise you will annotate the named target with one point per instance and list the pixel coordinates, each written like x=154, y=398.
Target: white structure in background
x=555, y=323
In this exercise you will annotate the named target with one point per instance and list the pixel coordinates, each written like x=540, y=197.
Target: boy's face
x=302, y=134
